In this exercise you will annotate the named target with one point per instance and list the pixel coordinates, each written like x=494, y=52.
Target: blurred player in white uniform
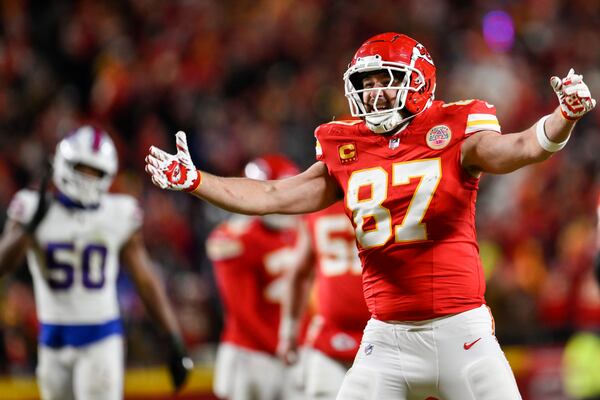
x=75, y=241
x=250, y=256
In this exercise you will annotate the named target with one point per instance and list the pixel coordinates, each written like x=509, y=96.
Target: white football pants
x=449, y=358
x=323, y=376
x=92, y=372
x=242, y=374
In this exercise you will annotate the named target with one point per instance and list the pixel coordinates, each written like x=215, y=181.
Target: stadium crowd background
x=247, y=77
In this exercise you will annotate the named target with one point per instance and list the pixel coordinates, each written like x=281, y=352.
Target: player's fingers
x=583, y=93
x=158, y=176
x=580, y=89
x=159, y=154
x=576, y=78
x=571, y=72
x=160, y=181
x=150, y=169
x=181, y=142
x=570, y=90
x=556, y=83
x=150, y=159
x=589, y=103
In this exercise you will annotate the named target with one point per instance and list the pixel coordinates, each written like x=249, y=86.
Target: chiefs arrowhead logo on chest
x=347, y=153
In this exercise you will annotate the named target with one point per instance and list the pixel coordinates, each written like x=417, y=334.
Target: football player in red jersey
x=335, y=330
x=250, y=256
x=408, y=170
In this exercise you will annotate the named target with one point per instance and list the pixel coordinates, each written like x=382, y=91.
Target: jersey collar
x=71, y=204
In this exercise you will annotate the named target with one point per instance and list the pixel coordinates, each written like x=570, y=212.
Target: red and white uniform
x=249, y=260
x=413, y=209
x=341, y=313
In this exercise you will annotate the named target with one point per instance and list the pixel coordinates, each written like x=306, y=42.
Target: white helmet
x=90, y=147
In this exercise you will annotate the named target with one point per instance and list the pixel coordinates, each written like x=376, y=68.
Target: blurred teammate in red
x=250, y=256
x=408, y=170
x=597, y=258
x=341, y=313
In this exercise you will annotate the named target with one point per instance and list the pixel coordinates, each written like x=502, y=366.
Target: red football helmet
x=270, y=166
x=403, y=59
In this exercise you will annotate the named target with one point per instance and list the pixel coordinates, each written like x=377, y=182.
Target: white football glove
x=173, y=171
x=573, y=95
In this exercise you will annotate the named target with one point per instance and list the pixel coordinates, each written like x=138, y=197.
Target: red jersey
x=413, y=208
x=249, y=260
x=342, y=314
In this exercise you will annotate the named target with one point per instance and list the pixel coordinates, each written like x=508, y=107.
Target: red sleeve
x=481, y=116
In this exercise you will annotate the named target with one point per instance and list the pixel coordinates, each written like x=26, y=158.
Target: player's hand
x=573, y=95
x=43, y=203
x=173, y=171
x=179, y=363
x=287, y=350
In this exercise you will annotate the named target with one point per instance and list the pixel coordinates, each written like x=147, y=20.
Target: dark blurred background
x=246, y=77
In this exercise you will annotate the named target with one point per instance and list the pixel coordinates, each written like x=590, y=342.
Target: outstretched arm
x=309, y=191
x=499, y=154
x=154, y=297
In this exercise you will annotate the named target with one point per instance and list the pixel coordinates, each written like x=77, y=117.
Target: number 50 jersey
x=413, y=209
x=75, y=259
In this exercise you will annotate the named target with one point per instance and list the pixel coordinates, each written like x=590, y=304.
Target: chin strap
x=387, y=122
x=384, y=122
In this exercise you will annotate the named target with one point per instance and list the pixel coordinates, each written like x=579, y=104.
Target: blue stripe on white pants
x=59, y=335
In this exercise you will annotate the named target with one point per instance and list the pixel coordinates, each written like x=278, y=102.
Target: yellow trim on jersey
x=348, y=122
x=458, y=103
x=483, y=122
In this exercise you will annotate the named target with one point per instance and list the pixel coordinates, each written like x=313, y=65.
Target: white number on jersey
x=277, y=263
x=338, y=255
x=412, y=228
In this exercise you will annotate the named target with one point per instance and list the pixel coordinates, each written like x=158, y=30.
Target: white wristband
x=543, y=140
